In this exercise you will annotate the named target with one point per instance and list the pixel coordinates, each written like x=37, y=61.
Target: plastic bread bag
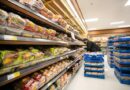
x=50, y=14
x=38, y=5
x=56, y=18
x=44, y=11
x=30, y=26
x=9, y=58
x=16, y=21
x=39, y=77
x=26, y=83
x=28, y=3
x=3, y=17
x=37, y=54
x=27, y=56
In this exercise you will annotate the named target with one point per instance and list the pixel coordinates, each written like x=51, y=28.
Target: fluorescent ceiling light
x=116, y=23
x=91, y=20
x=92, y=28
x=124, y=26
x=127, y=3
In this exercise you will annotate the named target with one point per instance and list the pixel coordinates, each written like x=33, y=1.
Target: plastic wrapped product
x=44, y=12
x=26, y=83
x=52, y=87
x=50, y=14
x=43, y=32
x=3, y=17
x=38, y=5
x=56, y=18
x=27, y=56
x=40, y=78
x=62, y=22
x=30, y=26
x=28, y=3
x=16, y=21
x=9, y=58
x=51, y=33
x=37, y=54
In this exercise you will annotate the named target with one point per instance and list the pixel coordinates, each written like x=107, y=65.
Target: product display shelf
x=69, y=81
x=14, y=40
x=94, y=65
x=8, y=78
x=58, y=76
x=122, y=59
x=110, y=50
x=33, y=14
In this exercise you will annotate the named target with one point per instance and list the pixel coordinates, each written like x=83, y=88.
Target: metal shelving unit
x=57, y=76
x=16, y=37
x=33, y=14
x=5, y=79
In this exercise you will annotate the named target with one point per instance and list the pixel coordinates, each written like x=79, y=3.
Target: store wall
x=109, y=32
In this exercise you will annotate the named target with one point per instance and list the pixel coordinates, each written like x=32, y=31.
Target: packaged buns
x=16, y=21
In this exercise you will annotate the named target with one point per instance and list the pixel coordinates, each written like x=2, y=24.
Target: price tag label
x=49, y=84
x=61, y=58
x=10, y=37
x=14, y=75
x=72, y=35
x=67, y=56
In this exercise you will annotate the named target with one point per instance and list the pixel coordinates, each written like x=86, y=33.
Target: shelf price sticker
x=13, y=75
x=72, y=35
x=61, y=58
x=6, y=37
x=67, y=56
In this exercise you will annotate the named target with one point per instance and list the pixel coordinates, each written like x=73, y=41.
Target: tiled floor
x=85, y=83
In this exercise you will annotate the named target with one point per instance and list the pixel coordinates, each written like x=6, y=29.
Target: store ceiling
x=105, y=14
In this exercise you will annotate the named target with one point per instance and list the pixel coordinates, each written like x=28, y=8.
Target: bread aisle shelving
x=31, y=42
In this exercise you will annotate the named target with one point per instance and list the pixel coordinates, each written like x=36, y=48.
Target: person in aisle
x=91, y=46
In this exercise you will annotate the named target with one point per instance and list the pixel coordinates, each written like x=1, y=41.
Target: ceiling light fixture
x=91, y=20
x=127, y=3
x=124, y=26
x=116, y=23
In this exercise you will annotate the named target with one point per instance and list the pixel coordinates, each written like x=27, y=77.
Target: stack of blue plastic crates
x=122, y=59
x=110, y=51
x=94, y=65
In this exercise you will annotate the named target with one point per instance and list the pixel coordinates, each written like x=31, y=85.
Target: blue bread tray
x=123, y=51
x=121, y=80
x=88, y=70
x=95, y=61
x=122, y=45
x=95, y=76
x=123, y=39
x=123, y=57
x=111, y=65
x=122, y=62
x=121, y=68
x=88, y=65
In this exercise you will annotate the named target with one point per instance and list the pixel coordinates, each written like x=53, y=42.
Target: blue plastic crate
x=122, y=45
x=98, y=66
x=123, y=61
x=121, y=69
x=89, y=70
x=111, y=65
x=95, y=76
x=123, y=39
x=123, y=81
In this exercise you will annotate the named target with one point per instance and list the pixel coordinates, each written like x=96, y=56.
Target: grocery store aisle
x=85, y=83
